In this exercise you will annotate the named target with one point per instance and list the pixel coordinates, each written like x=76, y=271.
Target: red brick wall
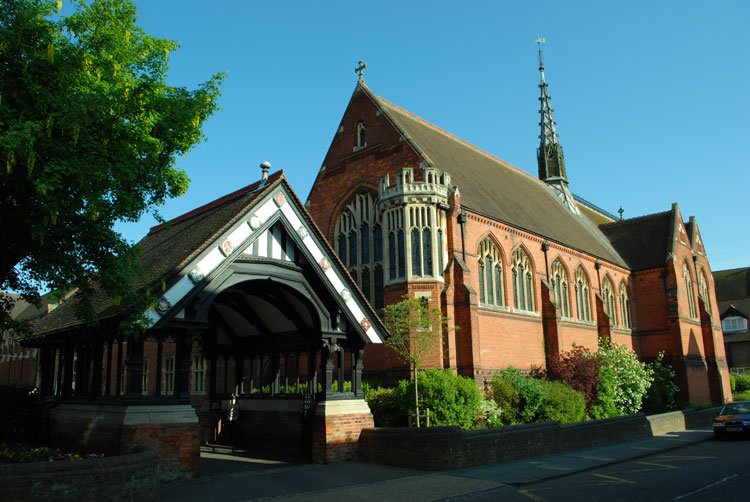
x=178, y=446
x=335, y=437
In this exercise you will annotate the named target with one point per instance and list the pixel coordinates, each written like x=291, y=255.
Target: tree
x=415, y=334
x=89, y=134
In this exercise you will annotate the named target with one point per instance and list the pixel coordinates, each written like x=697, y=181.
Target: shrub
x=632, y=378
x=517, y=396
x=742, y=383
x=732, y=382
x=579, y=368
x=388, y=406
x=489, y=415
x=21, y=409
x=660, y=395
x=742, y=396
x=604, y=406
x=452, y=399
x=561, y=403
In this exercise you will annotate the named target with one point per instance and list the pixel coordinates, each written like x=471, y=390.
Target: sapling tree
x=416, y=333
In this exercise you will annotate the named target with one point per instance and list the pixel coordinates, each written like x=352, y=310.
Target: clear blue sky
x=650, y=97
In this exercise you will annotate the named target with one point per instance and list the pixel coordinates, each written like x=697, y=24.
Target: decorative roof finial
x=549, y=155
x=360, y=69
x=265, y=166
x=621, y=210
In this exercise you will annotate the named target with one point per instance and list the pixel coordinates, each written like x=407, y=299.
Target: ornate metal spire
x=360, y=69
x=550, y=154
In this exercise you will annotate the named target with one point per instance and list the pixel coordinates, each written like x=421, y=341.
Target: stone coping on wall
x=133, y=476
x=447, y=448
x=127, y=415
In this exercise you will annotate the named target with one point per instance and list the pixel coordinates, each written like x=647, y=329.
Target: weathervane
x=360, y=69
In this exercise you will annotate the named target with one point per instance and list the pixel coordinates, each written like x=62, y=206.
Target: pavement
x=259, y=475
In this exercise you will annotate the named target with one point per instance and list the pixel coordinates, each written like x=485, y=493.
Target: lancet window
x=360, y=245
x=703, y=291
x=361, y=139
x=625, y=306
x=396, y=244
x=490, y=274
x=608, y=298
x=420, y=221
x=689, y=286
x=560, y=286
x=523, y=282
x=583, y=296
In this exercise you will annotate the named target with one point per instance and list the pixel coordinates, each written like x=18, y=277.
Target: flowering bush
x=19, y=453
x=632, y=377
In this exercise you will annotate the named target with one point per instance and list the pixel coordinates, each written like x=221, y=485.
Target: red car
x=733, y=418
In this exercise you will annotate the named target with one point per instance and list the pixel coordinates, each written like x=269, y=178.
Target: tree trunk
x=416, y=394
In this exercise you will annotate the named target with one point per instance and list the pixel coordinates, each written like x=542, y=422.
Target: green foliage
x=388, y=406
x=21, y=410
x=631, y=377
x=89, y=134
x=742, y=396
x=732, y=382
x=452, y=399
x=660, y=396
x=579, y=368
x=19, y=453
x=561, y=403
x=742, y=383
x=605, y=406
x=416, y=333
x=517, y=396
x=489, y=415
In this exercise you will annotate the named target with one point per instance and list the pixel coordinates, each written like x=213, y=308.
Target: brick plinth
x=171, y=430
x=336, y=430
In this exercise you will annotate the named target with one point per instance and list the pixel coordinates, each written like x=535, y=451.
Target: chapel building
x=522, y=266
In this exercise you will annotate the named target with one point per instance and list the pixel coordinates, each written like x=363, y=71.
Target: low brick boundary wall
x=444, y=448
x=134, y=476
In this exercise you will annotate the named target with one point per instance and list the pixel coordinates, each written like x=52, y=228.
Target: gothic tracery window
x=420, y=219
x=560, y=286
x=689, y=287
x=583, y=297
x=490, y=272
x=608, y=298
x=627, y=321
x=360, y=246
x=523, y=281
x=703, y=291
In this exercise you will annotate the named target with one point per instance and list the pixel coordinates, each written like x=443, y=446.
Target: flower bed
x=19, y=453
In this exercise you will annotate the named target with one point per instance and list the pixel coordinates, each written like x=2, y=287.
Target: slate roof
x=167, y=249
x=494, y=188
x=734, y=283
x=643, y=242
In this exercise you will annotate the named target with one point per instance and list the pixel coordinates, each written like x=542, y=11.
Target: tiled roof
x=643, y=242
x=734, y=283
x=494, y=188
x=168, y=248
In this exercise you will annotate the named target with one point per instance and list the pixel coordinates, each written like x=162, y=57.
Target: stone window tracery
x=490, y=272
x=703, y=291
x=627, y=321
x=420, y=222
x=560, y=286
x=608, y=298
x=690, y=295
x=360, y=245
x=523, y=282
x=583, y=296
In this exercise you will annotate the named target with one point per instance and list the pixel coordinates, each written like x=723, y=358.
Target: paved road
x=680, y=464
x=707, y=471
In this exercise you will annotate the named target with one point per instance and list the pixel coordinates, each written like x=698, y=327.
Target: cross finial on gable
x=621, y=210
x=360, y=69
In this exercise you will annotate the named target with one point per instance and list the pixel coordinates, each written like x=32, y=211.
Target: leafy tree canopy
x=89, y=134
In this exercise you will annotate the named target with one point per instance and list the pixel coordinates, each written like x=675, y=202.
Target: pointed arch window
x=560, y=286
x=703, y=291
x=523, y=282
x=608, y=298
x=627, y=321
x=361, y=138
x=690, y=295
x=583, y=296
x=490, y=268
x=360, y=247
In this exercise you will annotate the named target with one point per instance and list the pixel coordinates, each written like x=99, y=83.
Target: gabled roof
x=739, y=307
x=642, y=242
x=734, y=283
x=494, y=188
x=192, y=241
